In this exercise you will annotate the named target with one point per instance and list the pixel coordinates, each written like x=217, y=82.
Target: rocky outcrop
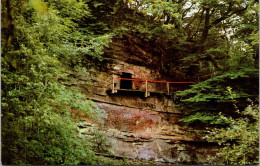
x=139, y=127
x=150, y=135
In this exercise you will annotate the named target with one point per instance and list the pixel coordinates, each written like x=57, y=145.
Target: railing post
x=113, y=85
x=168, y=88
x=146, y=89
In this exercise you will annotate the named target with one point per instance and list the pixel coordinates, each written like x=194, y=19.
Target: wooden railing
x=146, y=84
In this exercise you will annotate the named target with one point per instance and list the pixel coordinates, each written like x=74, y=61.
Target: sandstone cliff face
x=140, y=127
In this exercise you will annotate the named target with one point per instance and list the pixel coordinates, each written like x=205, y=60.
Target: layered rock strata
x=136, y=126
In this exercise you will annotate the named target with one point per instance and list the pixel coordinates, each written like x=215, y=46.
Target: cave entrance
x=126, y=84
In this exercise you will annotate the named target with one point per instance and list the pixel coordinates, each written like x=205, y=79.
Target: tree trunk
x=205, y=31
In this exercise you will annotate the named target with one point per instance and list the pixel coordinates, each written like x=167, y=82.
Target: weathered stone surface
x=143, y=134
x=138, y=127
x=100, y=91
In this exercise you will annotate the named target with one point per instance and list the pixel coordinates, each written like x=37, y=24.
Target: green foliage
x=38, y=46
x=205, y=118
x=240, y=140
x=205, y=99
x=193, y=38
x=160, y=10
x=43, y=139
x=214, y=89
x=99, y=142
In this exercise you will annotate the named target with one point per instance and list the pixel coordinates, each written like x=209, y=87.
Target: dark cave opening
x=126, y=84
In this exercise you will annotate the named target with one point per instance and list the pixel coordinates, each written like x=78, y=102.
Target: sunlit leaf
x=40, y=6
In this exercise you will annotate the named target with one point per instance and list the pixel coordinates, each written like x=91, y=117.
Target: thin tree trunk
x=205, y=31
